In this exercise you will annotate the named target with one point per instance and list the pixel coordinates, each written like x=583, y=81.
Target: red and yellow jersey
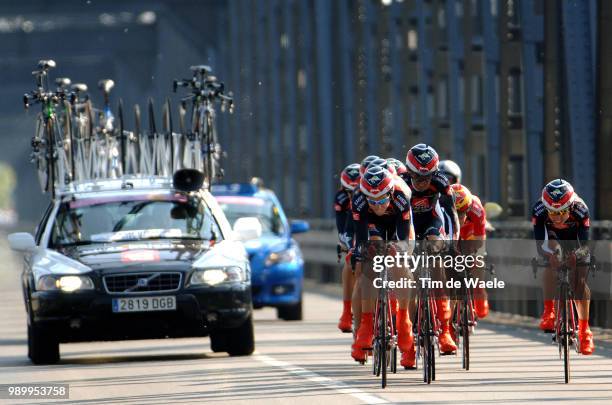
x=475, y=222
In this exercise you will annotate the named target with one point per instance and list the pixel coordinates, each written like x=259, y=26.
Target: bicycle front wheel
x=565, y=308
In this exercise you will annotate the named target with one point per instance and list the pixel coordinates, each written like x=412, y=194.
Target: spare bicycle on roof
x=77, y=142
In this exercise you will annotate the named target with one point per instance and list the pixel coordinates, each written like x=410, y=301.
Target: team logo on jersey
x=420, y=203
x=401, y=199
x=556, y=192
x=373, y=179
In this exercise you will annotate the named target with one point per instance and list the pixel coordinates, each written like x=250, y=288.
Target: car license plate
x=144, y=304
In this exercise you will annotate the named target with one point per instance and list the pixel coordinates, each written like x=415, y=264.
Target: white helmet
x=451, y=170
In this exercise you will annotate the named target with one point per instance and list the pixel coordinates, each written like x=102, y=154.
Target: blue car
x=277, y=265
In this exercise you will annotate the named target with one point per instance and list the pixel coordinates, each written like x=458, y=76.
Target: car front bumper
x=278, y=285
x=88, y=315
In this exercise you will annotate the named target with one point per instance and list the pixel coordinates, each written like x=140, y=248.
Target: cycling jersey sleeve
x=478, y=217
x=342, y=209
x=360, y=223
x=539, y=226
x=401, y=203
x=581, y=212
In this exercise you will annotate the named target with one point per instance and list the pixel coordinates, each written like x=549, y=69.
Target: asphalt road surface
x=295, y=363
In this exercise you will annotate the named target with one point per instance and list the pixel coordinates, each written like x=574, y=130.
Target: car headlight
x=217, y=276
x=64, y=283
x=284, y=256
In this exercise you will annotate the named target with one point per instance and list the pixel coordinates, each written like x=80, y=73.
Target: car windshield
x=133, y=217
x=265, y=211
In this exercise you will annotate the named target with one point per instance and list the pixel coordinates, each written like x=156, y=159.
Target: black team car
x=135, y=258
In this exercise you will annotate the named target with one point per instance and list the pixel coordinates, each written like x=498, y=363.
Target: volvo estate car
x=135, y=258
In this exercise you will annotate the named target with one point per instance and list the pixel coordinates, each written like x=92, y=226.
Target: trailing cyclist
x=381, y=211
x=472, y=235
x=349, y=181
x=451, y=171
x=434, y=217
x=561, y=221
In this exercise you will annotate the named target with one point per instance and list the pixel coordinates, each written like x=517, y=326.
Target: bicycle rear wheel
x=383, y=341
x=427, y=343
x=465, y=332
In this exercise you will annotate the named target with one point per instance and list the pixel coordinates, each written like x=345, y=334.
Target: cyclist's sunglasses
x=379, y=202
x=420, y=178
x=558, y=213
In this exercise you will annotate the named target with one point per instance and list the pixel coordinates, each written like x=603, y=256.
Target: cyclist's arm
x=539, y=229
x=360, y=224
x=343, y=213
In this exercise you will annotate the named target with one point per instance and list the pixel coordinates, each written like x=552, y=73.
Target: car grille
x=142, y=282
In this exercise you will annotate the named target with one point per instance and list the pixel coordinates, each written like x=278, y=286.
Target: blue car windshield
x=265, y=211
x=133, y=217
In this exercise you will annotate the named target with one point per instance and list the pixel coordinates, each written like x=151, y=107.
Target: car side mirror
x=22, y=242
x=299, y=226
x=248, y=228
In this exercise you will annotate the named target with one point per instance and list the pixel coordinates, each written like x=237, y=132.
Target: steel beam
x=325, y=101
x=290, y=76
x=346, y=66
x=455, y=60
x=580, y=96
x=491, y=103
x=397, y=88
x=425, y=69
x=533, y=95
x=275, y=112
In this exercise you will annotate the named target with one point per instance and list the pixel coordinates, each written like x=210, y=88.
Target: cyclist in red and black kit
x=430, y=193
x=473, y=220
x=381, y=211
x=561, y=221
x=349, y=181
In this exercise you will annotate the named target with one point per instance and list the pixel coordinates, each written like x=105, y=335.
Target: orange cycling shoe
x=346, y=319
x=547, y=321
x=447, y=345
x=358, y=355
x=365, y=334
x=587, y=346
x=405, y=340
x=408, y=360
x=481, y=306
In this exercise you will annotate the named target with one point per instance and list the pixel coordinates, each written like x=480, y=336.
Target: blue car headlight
x=216, y=276
x=284, y=256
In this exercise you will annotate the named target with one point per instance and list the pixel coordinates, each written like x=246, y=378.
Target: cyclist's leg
x=365, y=333
x=481, y=302
x=435, y=237
x=547, y=320
x=582, y=294
x=346, y=319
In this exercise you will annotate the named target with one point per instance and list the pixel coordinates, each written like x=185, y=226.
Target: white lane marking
x=326, y=382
